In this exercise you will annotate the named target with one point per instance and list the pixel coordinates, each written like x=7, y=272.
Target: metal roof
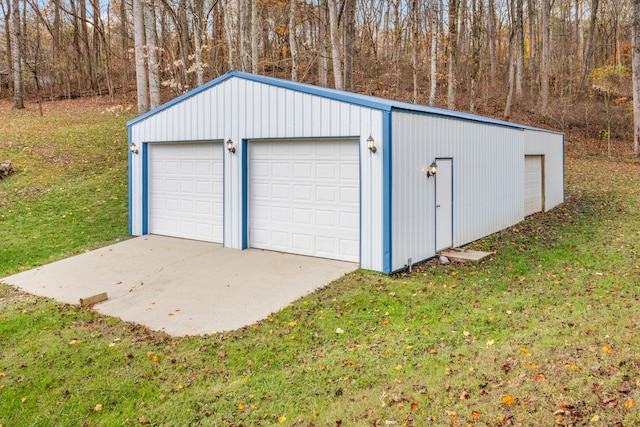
x=373, y=102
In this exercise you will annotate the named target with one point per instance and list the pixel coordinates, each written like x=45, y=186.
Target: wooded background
x=562, y=64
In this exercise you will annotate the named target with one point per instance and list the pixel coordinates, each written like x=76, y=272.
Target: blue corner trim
x=130, y=183
x=145, y=189
x=244, y=200
x=387, y=181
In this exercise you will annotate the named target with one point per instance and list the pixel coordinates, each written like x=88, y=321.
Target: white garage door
x=304, y=198
x=185, y=190
x=532, y=184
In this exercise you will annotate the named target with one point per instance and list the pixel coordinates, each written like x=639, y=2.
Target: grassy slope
x=543, y=333
x=71, y=175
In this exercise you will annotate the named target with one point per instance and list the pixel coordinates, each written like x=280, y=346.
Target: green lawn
x=543, y=333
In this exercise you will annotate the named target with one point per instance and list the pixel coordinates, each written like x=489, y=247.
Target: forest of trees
x=502, y=58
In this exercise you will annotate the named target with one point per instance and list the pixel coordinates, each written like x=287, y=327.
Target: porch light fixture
x=230, y=146
x=134, y=148
x=371, y=144
x=433, y=169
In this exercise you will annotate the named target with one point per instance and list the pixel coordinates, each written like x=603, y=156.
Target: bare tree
x=349, y=17
x=323, y=68
x=152, y=53
x=335, y=45
x=546, y=55
x=292, y=41
x=139, y=47
x=16, y=36
x=434, y=51
x=589, y=47
x=636, y=75
x=453, y=53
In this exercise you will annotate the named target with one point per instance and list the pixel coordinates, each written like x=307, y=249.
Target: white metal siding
x=305, y=198
x=243, y=109
x=185, y=191
x=487, y=183
x=550, y=145
x=532, y=184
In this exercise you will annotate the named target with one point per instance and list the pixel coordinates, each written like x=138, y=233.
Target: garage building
x=257, y=162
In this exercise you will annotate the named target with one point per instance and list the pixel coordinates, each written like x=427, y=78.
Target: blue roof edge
x=338, y=95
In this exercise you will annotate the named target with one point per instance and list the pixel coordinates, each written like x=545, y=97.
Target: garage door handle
x=437, y=206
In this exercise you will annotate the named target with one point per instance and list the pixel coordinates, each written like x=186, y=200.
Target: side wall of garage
x=245, y=110
x=487, y=162
x=550, y=145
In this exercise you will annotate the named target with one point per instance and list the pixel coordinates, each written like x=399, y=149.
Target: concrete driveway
x=182, y=287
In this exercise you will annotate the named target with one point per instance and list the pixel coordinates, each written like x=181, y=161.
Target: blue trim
x=130, y=182
x=145, y=189
x=387, y=181
x=223, y=147
x=337, y=95
x=244, y=152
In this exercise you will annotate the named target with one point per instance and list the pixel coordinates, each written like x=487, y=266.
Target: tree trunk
x=124, y=35
x=335, y=45
x=588, y=52
x=434, y=52
x=152, y=53
x=491, y=30
x=519, y=49
x=16, y=36
x=228, y=30
x=139, y=48
x=453, y=54
x=546, y=55
x=349, y=42
x=512, y=60
x=254, y=37
x=636, y=75
x=244, y=10
x=292, y=40
x=7, y=33
x=323, y=67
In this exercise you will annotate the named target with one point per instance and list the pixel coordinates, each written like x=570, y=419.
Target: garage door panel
x=306, y=192
x=185, y=190
x=533, y=194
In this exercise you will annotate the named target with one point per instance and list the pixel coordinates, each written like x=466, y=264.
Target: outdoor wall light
x=230, y=146
x=371, y=144
x=433, y=169
x=134, y=148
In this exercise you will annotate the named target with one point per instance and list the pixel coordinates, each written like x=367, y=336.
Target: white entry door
x=185, y=190
x=304, y=197
x=444, y=204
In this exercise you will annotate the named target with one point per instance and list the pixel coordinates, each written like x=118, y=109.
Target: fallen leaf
x=282, y=419
x=475, y=415
x=490, y=343
x=508, y=399
x=630, y=403
x=222, y=354
x=98, y=407
x=606, y=349
x=241, y=406
x=414, y=406
x=525, y=351
x=595, y=418
x=292, y=324
x=339, y=331
x=539, y=377
x=399, y=367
